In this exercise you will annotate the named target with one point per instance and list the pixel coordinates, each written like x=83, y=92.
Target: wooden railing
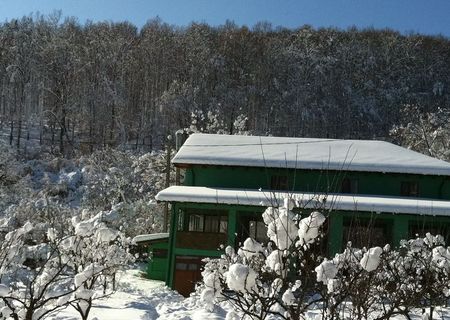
x=200, y=240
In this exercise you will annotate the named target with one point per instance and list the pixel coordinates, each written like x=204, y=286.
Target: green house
x=154, y=245
x=372, y=191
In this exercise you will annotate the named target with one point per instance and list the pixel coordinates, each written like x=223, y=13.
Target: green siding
x=401, y=227
x=171, y=257
x=389, y=184
x=397, y=227
x=335, y=233
x=157, y=266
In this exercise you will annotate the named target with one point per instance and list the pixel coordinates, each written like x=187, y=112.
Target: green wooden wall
x=389, y=184
x=157, y=265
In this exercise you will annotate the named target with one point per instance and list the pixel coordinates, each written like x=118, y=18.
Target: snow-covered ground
x=139, y=298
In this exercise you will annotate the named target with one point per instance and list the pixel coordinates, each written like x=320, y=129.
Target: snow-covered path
x=138, y=298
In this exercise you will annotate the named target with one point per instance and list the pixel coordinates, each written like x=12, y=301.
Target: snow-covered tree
x=34, y=278
x=128, y=183
x=95, y=251
x=425, y=132
x=76, y=264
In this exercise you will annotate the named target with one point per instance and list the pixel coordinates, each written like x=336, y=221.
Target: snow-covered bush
x=287, y=277
x=273, y=279
x=380, y=283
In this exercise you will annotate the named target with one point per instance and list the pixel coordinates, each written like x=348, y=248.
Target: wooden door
x=187, y=274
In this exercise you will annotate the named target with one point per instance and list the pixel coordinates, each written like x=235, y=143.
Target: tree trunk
x=85, y=314
x=11, y=132
x=19, y=130
x=52, y=129
x=62, y=131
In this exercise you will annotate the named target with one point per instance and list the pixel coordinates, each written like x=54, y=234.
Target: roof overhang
x=150, y=237
x=341, y=202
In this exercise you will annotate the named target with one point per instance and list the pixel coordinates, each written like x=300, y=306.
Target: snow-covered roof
x=306, y=153
x=345, y=202
x=150, y=237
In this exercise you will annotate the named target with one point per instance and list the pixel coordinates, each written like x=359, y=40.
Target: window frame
x=279, y=182
x=218, y=221
x=409, y=189
x=350, y=186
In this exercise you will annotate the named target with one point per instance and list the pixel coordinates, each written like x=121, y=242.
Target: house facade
x=372, y=192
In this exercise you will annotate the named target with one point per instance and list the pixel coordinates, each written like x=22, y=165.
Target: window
x=213, y=221
x=196, y=222
x=366, y=232
x=409, y=189
x=279, y=183
x=250, y=224
x=349, y=186
x=258, y=231
x=180, y=225
x=216, y=224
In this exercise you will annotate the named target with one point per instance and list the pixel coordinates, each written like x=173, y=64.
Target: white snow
x=332, y=285
x=309, y=227
x=138, y=298
x=371, y=259
x=232, y=316
x=106, y=234
x=283, y=230
x=250, y=248
x=326, y=271
x=87, y=273
x=441, y=256
x=240, y=277
x=4, y=290
x=306, y=153
x=274, y=262
x=288, y=297
x=84, y=228
x=268, y=198
x=150, y=237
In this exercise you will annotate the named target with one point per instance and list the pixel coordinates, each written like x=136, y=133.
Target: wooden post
x=166, y=204
x=336, y=228
x=400, y=229
x=232, y=227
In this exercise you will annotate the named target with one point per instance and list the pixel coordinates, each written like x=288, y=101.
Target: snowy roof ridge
x=306, y=153
x=335, y=201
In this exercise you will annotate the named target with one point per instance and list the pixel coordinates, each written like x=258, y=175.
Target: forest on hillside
x=80, y=87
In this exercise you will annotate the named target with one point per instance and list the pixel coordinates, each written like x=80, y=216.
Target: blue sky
x=422, y=16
